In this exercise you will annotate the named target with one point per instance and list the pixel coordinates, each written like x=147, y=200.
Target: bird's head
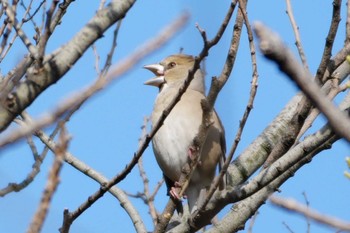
x=173, y=70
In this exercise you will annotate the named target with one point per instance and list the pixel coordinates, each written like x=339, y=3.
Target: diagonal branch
x=60, y=62
x=294, y=206
x=296, y=34
x=99, y=178
x=52, y=183
x=121, y=68
x=274, y=49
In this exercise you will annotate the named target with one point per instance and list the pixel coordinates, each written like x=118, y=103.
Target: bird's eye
x=171, y=65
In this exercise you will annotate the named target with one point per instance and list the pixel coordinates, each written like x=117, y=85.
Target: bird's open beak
x=158, y=70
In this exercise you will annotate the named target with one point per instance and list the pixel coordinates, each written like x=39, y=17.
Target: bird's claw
x=174, y=194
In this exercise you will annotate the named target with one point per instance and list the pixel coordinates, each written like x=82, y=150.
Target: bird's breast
x=172, y=141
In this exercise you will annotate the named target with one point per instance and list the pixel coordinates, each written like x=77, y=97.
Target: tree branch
x=78, y=98
x=51, y=185
x=327, y=52
x=294, y=206
x=297, y=35
x=274, y=49
x=61, y=61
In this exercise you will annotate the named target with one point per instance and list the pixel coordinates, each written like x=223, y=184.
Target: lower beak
x=155, y=81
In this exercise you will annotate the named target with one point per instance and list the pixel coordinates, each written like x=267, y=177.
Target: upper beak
x=158, y=70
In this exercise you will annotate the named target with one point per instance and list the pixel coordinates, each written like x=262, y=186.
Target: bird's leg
x=192, y=153
x=173, y=191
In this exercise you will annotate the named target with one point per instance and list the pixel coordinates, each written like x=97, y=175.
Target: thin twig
x=57, y=18
x=33, y=50
x=98, y=177
x=97, y=59
x=252, y=222
x=27, y=12
x=307, y=203
x=108, y=62
x=52, y=184
x=327, y=52
x=38, y=160
x=47, y=33
x=24, y=20
x=297, y=35
x=149, y=201
x=288, y=227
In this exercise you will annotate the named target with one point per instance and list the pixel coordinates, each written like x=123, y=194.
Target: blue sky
x=106, y=129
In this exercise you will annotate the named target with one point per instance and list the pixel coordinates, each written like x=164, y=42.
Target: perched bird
x=172, y=142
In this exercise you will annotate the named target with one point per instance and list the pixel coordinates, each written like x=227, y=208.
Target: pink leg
x=173, y=191
x=191, y=152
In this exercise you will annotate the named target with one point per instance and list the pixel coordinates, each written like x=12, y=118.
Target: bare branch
x=244, y=209
x=79, y=98
x=60, y=62
x=148, y=198
x=288, y=227
x=98, y=177
x=331, y=88
x=62, y=8
x=327, y=53
x=47, y=33
x=51, y=185
x=38, y=160
x=252, y=222
x=346, y=173
x=27, y=9
x=292, y=205
x=249, y=197
x=273, y=48
x=108, y=62
x=31, y=48
x=347, y=28
x=307, y=203
x=297, y=35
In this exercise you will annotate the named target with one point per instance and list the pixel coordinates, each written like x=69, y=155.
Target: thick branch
x=274, y=49
x=56, y=65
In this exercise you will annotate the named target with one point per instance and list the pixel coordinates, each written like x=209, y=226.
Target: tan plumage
x=172, y=142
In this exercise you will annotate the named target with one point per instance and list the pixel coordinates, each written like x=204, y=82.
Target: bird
x=172, y=142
